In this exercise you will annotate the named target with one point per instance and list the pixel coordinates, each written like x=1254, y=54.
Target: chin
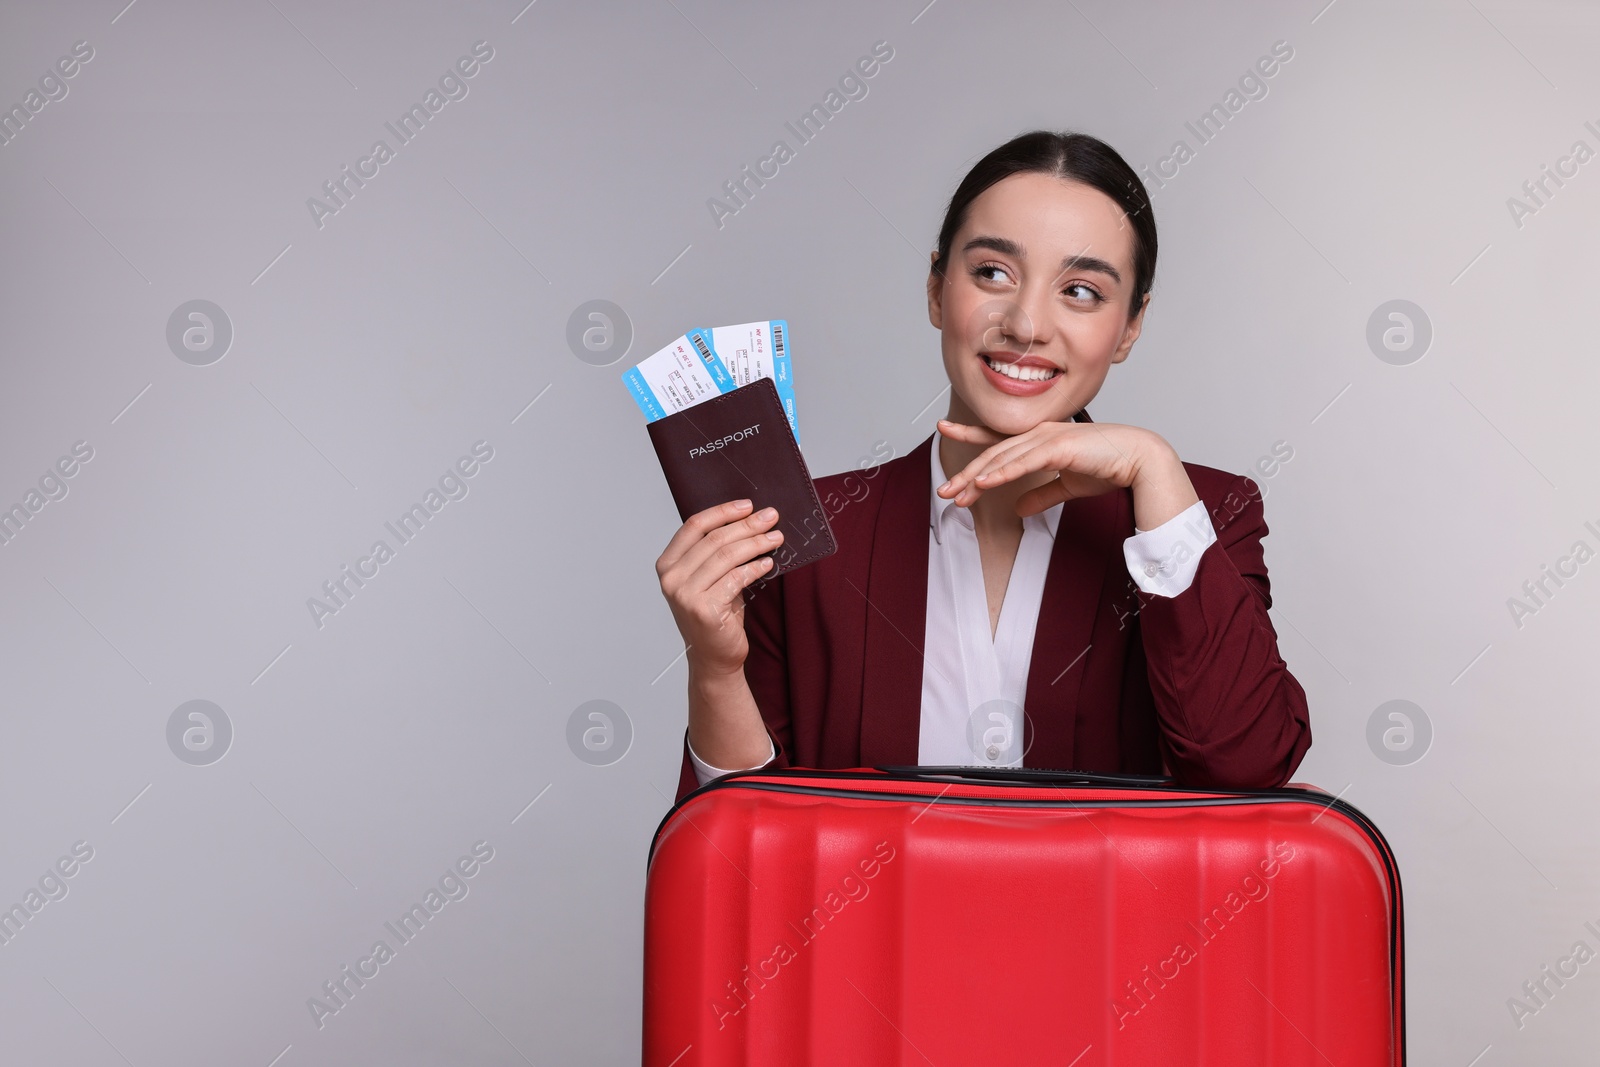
x=1011, y=415
x=1008, y=422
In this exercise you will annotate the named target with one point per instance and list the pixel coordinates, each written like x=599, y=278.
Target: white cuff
x=1162, y=561
x=704, y=772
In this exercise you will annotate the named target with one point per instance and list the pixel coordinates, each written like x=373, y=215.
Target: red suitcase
x=959, y=916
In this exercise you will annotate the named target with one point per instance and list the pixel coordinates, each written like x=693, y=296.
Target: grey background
x=369, y=354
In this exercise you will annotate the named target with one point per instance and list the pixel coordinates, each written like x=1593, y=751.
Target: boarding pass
x=706, y=362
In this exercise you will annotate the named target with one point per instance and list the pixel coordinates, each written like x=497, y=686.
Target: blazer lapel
x=896, y=615
x=1087, y=546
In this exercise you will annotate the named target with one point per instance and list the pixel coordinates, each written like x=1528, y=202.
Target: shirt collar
x=941, y=510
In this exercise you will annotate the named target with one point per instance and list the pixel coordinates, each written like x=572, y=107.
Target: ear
x=935, y=293
x=1130, y=333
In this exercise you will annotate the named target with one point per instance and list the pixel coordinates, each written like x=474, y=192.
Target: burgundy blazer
x=1120, y=680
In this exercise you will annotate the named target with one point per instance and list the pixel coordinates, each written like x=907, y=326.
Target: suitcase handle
x=1029, y=776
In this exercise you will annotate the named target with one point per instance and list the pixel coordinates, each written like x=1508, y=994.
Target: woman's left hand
x=1089, y=458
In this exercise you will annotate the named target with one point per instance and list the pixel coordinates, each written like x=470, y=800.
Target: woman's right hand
x=704, y=570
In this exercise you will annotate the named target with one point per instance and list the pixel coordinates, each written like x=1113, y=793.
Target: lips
x=1020, y=368
x=1014, y=374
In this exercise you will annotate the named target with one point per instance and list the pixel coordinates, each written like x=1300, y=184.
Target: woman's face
x=1040, y=275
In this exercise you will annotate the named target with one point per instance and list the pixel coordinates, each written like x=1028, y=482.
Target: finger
x=713, y=542
x=740, y=577
x=696, y=526
x=1013, y=463
x=746, y=561
x=1006, y=459
x=717, y=565
x=1043, y=498
x=1009, y=464
x=980, y=462
x=996, y=454
x=1069, y=485
x=961, y=431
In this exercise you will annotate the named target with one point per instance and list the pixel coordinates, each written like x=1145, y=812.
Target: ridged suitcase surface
x=957, y=917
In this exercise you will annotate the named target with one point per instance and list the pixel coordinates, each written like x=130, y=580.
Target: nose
x=1023, y=320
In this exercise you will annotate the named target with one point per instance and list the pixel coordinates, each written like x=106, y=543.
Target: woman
x=1026, y=586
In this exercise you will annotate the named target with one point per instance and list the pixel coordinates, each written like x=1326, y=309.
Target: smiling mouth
x=1019, y=372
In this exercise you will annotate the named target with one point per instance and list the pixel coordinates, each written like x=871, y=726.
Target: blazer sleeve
x=766, y=670
x=1231, y=715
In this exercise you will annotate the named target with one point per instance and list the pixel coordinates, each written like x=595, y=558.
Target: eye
x=979, y=270
x=1091, y=293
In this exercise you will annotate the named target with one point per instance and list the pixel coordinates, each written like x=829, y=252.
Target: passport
x=740, y=444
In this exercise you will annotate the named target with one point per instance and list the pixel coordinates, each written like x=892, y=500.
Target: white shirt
x=973, y=683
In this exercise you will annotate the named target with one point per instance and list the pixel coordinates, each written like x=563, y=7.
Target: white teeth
x=1022, y=374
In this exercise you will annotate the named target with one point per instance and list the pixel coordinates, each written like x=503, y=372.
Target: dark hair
x=1072, y=157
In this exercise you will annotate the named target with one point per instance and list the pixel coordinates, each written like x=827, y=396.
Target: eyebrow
x=1007, y=246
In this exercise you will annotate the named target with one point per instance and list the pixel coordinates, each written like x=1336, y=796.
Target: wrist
x=1161, y=485
x=712, y=675
x=1154, y=456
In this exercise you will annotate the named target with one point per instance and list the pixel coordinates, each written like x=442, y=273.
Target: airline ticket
x=674, y=378
x=706, y=362
x=754, y=350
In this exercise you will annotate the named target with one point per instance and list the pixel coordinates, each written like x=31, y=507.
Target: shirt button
x=993, y=753
x=1151, y=569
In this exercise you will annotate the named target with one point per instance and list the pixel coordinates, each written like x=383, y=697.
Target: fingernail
x=767, y=513
x=740, y=505
x=946, y=485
